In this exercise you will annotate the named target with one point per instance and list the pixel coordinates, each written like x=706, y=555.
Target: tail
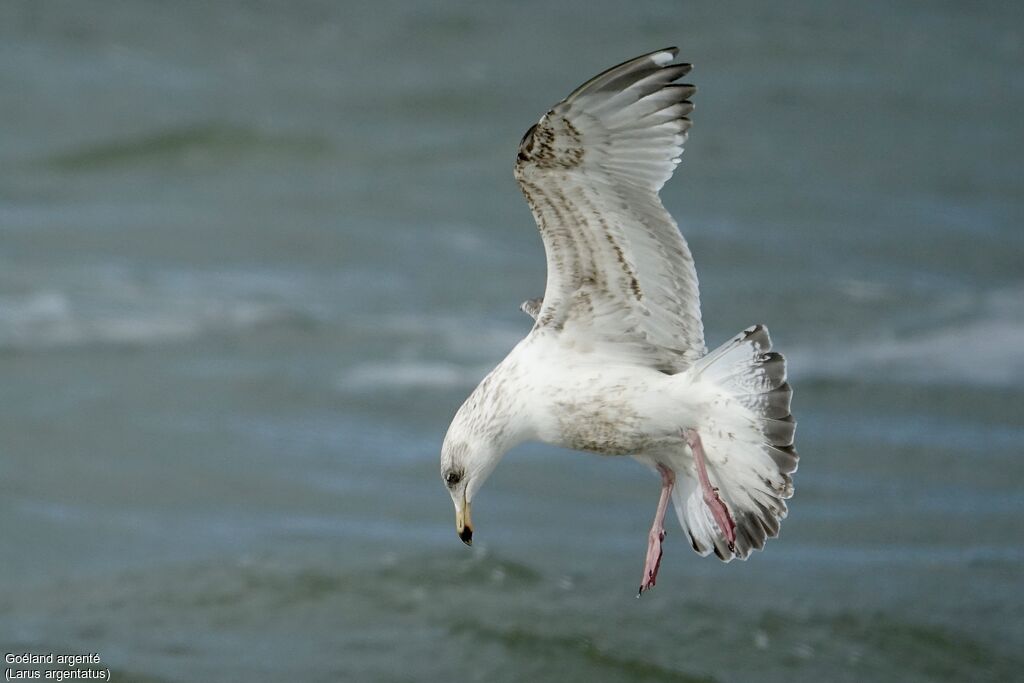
x=748, y=440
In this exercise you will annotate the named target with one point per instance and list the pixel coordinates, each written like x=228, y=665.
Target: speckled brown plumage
x=616, y=362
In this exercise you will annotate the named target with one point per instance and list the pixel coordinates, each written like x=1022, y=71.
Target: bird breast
x=606, y=409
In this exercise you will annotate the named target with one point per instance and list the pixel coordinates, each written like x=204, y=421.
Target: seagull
x=616, y=362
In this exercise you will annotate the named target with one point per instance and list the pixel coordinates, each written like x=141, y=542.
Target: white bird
x=616, y=362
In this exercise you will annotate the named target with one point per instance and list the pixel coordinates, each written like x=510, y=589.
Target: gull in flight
x=616, y=362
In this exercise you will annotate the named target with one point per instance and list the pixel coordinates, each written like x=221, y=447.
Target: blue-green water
x=254, y=255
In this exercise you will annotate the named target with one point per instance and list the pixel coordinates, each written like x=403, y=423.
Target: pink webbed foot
x=719, y=511
x=652, y=562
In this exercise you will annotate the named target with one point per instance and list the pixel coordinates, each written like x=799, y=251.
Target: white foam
x=104, y=305
x=408, y=374
x=464, y=335
x=986, y=349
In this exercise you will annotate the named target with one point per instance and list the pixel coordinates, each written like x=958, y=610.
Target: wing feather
x=619, y=272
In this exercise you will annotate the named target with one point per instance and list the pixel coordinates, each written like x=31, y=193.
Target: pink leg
x=653, y=560
x=711, y=498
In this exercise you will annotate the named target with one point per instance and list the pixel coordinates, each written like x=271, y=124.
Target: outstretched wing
x=620, y=274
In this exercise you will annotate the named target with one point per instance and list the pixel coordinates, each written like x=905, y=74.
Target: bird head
x=465, y=465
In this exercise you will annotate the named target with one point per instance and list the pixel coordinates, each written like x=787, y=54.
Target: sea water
x=254, y=255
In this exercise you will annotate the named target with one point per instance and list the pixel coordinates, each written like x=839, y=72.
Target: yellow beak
x=463, y=522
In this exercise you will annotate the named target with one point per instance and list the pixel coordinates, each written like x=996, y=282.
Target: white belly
x=607, y=408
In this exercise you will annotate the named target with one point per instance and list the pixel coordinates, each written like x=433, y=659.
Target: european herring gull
x=616, y=362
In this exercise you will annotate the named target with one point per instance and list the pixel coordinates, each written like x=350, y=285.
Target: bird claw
x=653, y=562
x=648, y=583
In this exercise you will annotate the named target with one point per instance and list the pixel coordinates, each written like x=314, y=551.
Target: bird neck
x=493, y=412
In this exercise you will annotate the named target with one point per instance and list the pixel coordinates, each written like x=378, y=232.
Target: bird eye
x=452, y=478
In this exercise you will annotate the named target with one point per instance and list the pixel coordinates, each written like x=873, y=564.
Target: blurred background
x=254, y=255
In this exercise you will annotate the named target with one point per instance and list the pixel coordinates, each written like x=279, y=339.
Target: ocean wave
x=378, y=376
x=115, y=307
x=463, y=335
x=982, y=350
x=196, y=144
x=469, y=347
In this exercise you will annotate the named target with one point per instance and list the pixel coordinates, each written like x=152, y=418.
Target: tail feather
x=785, y=458
x=748, y=440
x=777, y=401
x=780, y=431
